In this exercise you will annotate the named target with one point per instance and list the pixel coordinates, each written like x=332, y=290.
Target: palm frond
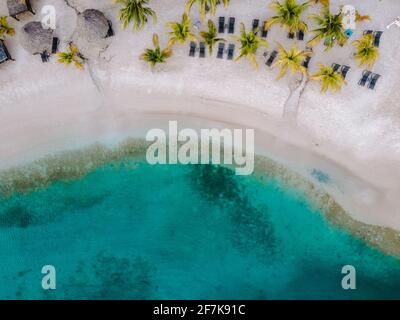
x=329, y=78
x=249, y=43
x=156, y=55
x=135, y=11
x=330, y=28
x=5, y=28
x=181, y=31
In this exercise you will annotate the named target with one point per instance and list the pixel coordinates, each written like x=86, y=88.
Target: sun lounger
x=264, y=33
x=256, y=24
x=4, y=54
x=373, y=81
x=290, y=35
x=110, y=32
x=54, y=47
x=45, y=56
x=365, y=76
x=231, y=51
x=344, y=70
x=367, y=32
x=300, y=35
x=202, y=50
x=221, y=49
x=377, y=38
x=192, y=50
x=271, y=58
x=306, y=62
x=335, y=67
x=231, y=26
x=221, y=25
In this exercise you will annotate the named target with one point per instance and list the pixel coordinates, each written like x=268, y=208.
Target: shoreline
x=75, y=164
x=359, y=194
x=352, y=136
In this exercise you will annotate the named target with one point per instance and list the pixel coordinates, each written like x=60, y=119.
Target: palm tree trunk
x=291, y=107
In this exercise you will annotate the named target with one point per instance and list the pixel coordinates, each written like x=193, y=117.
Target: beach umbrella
x=35, y=39
x=16, y=7
x=92, y=27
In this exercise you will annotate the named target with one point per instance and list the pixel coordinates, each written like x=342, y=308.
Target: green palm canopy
x=181, y=31
x=205, y=6
x=329, y=78
x=366, y=52
x=330, y=29
x=210, y=37
x=135, y=11
x=249, y=44
x=156, y=55
x=291, y=60
x=288, y=14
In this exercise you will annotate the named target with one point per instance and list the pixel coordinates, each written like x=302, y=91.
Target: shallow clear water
x=134, y=231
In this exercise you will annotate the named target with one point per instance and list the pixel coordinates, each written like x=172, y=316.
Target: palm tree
x=181, y=31
x=330, y=79
x=71, y=56
x=291, y=60
x=210, y=37
x=5, y=29
x=156, y=55
x=249, y=42
x=136, y=11
x=329, y=28
x=288, y=14
x=205, y=6
x=366, y=53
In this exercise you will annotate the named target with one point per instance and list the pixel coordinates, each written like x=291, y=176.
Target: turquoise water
x=134, y=231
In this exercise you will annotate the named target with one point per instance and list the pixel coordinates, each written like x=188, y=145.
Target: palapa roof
x=92, y=26
x=16, y=7
x=35, y=39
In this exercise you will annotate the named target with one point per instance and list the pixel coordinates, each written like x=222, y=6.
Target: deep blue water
x=180, y=232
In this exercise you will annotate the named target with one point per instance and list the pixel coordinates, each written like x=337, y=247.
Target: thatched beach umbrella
x=35, y=39
x=93, y=27
x=16, y=7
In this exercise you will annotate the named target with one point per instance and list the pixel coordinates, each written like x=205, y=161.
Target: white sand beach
x=352, y=135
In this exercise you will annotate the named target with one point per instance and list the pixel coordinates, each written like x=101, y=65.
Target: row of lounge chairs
x=370, y=78
x=194, y=49
x=377, y=36
x=256, y=26
x=220, y=53
x=299, y=35
x=367, y=76
x=222, y=26
x=274, y=55
x=343, y=70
